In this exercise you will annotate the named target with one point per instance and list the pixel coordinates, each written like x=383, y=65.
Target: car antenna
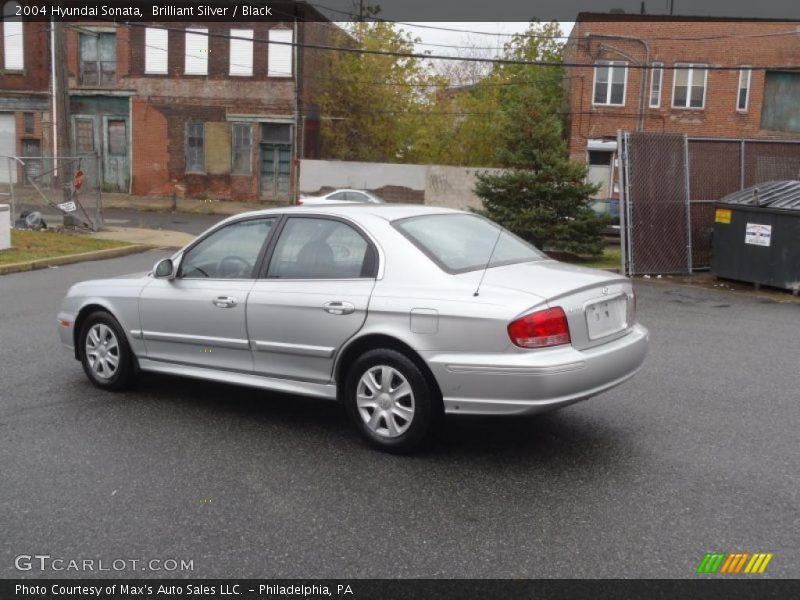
x=488, y=262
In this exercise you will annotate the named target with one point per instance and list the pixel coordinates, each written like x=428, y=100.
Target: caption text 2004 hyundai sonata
x=388, y=308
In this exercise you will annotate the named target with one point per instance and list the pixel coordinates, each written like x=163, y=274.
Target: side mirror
x=164, y=269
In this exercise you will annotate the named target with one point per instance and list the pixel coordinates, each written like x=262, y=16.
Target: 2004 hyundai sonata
x=402, y=313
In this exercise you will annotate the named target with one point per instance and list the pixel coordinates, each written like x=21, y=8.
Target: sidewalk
x=184, y=205
x=157, y=238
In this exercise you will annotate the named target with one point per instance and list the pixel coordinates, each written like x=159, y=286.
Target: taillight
x=300, y=202
x=541, y=329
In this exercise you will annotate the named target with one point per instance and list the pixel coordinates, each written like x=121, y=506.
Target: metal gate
x=669, y=184
x=655, y=217
x=48, y=185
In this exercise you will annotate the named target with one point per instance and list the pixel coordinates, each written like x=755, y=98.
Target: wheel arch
x=84, y=312
x=374, y=341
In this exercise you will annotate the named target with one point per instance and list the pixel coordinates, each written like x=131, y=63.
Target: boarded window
x=780, y=111
x=241, y=144
x=241, y=53
x=279, y=54
x=117, y=138
x=196, y=60
x=195, y=148
x=98, y=58
x=28, y=122
x=610, y=79
x=13, y=38
x=689, y=86
x=84, y=136
x=156, y=46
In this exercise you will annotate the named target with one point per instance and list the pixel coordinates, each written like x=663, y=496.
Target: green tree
x=542, y=196
x=371, y=103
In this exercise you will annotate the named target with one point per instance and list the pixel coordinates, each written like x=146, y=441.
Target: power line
x=416, y=55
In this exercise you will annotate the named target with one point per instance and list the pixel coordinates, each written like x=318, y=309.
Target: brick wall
x=719, y=117
x=36, y=75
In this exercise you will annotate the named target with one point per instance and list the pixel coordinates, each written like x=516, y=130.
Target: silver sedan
x=402, y=313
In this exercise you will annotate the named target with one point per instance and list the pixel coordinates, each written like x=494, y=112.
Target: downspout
x=297, y=90
x=53, y=109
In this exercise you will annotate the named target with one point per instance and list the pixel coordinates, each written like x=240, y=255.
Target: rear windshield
x=462, y=242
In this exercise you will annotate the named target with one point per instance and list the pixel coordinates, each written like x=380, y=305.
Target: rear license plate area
x=606, y=317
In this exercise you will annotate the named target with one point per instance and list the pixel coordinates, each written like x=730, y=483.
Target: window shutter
x=13, y=39
x=241, y=53
x=156, y=44
x=280, y=55
x=196, y=52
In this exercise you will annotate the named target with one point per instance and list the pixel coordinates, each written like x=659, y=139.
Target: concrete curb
x=68, y=259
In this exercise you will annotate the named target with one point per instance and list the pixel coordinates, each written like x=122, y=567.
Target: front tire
x=390, y=402
x=106, y=357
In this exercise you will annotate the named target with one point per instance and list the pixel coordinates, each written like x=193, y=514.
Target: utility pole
x=61, y=112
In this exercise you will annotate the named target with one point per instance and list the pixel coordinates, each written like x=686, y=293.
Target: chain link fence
x=670, y=183
x=65, y=191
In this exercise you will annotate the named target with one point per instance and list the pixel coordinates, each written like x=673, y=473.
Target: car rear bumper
x=535, y=381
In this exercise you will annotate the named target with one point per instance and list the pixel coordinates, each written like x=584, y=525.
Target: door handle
x=339, y=308
x=224, y=301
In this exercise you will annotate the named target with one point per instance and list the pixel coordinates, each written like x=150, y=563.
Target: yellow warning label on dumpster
x=723, y=215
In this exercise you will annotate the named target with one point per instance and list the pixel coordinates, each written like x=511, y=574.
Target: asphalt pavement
x=698, y=453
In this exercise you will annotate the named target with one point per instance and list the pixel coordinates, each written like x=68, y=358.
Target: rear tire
x=106, y=357
x=390, y=402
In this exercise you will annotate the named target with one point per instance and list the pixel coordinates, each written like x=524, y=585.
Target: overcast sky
x=495, y=34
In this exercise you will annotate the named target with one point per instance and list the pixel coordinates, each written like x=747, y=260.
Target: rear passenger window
x=321, y=249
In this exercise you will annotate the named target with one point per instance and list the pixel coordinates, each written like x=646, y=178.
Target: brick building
x=202, y=109
x=24, y=85
x=678, y=91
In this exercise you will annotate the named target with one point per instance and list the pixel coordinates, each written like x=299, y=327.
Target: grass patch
x=609, y=260
x=33, y=245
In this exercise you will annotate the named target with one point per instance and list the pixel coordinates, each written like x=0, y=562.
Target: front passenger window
x=228, y=253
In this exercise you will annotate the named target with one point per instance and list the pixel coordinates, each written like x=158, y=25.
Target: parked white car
x=340, y=197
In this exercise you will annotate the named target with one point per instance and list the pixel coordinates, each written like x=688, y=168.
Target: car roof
x=388, y=211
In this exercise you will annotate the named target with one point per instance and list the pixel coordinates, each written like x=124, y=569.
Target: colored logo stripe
x=719, y=562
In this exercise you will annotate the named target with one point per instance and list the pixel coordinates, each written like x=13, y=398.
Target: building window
x=610, y=80
x=241, y=145
x=84, y=136
x=196, y=60
x=779, y=108
x=656, y=81
x=743, y=97
x=28, y=122
x=241, y=53
x=689, y=86
x=13, y=38
x=279, y=55
x=195, y=148
x=98, y=53
x=156, y=46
